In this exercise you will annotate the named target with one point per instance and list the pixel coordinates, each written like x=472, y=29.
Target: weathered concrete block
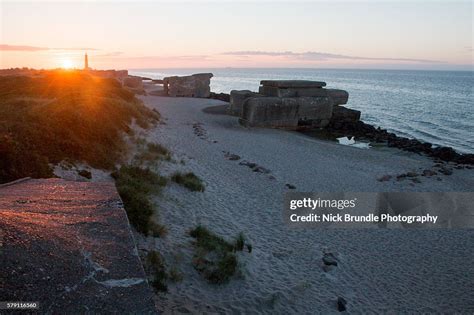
x=270, y=112
x=276, y=92
x=196, y=85
x=339, y=96
x=293, y=83
x=133, y=82
x=341, y=114
x=237, y=100
x=314, y=111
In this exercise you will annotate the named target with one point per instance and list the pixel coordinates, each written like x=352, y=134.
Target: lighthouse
x=86, y=62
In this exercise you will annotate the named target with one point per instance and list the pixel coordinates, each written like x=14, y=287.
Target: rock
x=446, y=171
x=384, y=178
x=293, y=83
x=196, y=85
x=237, y=100
x=444, y=153
x=85, y=173
x=231, y=156
x=401, y=177
x=428, y=173
x=341, y=304
x=411, y=174
x=261, y=169
x=290, y=186
x=329, y=259
x=249, y=164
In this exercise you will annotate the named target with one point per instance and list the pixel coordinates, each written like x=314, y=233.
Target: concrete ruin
x=291, y=104
x=196, y=85
x=68, y=245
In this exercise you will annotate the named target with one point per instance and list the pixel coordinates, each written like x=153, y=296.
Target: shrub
x=60, y=115
x=188, y=180
x=134, y=185
x=156, y=267
x=154, y=151
x=239, y=242
x=214, y=257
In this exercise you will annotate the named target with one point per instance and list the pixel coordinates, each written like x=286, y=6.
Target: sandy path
x=379, y=270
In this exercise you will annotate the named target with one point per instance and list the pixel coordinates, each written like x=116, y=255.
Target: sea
x=432, y=106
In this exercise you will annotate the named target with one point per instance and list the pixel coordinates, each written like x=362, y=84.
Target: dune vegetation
x=58, y=115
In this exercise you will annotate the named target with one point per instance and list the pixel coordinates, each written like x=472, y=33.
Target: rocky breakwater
x=291, y=104
x=196, y=85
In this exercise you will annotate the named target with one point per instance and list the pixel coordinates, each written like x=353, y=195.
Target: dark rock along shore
x=364, y=131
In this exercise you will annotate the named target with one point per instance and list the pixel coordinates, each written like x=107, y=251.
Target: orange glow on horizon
x=67, y=64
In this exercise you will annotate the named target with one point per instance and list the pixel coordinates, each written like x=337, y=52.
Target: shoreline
x=380, y=136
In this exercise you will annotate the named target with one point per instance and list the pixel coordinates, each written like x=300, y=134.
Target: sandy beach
x=378, y=271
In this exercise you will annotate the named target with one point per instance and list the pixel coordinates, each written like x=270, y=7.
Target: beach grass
x=189, y=180
x=135, y=185
x=155, y=266
x=153, y=152
x=215, y=257
x=61, y=115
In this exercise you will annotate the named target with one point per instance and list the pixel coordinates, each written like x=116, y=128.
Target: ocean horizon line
x=299, y=68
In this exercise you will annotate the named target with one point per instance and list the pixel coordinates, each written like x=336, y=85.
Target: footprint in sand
x=201, y=132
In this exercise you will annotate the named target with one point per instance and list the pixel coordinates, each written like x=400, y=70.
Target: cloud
x=21, y=48
x=110, y=54
x=312, y=55
x=5, y=47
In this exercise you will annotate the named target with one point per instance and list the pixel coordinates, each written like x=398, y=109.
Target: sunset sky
x=164, y=34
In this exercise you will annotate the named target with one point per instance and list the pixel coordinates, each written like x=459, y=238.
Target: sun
x=67, y=64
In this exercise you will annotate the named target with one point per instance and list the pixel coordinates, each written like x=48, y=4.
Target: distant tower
x=86, y=62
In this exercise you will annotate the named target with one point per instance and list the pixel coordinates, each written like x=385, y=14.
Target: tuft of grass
x=188, y=180
x=155, y=266
x=158, y=149
x=134, y=185
x=153, y=152
x=175, y=275
x=157, y=230
x=239, y=242
x=214, y=257
x=249, y=248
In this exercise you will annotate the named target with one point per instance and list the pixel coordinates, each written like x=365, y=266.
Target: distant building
x=86, y=62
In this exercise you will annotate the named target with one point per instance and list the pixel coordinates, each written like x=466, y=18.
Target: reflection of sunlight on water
x=351, y=142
